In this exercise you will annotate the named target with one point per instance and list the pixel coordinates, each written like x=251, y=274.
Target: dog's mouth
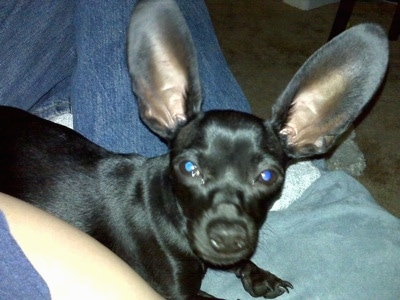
x=223, y=240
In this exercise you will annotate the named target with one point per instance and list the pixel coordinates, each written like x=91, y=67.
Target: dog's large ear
x=163, y=66
x=330, y=90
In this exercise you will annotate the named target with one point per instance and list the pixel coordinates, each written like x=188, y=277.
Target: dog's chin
x=209, y=255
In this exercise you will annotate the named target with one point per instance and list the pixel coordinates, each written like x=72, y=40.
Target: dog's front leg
x=260, y=283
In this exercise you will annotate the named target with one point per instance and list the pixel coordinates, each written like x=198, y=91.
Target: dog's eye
x=189, y=168
x=267, y=176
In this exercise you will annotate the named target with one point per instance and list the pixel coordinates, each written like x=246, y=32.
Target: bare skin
x=73, y=264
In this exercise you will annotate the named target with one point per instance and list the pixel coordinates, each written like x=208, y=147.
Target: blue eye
x=267, y=177
x=189, y=166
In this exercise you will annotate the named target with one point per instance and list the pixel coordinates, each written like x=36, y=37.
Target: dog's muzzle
x=227, y=237
x=223, y=235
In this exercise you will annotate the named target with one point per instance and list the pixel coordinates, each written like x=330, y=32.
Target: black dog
x=202, y=204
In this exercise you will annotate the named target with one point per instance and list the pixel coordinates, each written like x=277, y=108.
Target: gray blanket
x=334, y=242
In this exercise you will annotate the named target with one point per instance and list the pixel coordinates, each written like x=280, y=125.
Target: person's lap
x=86, y=70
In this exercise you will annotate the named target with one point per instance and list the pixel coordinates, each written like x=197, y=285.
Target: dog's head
x=228, y=167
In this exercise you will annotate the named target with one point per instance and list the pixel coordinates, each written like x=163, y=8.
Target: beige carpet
x=266, y=41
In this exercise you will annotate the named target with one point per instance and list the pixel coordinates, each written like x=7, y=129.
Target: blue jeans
x=72, y=55
x=57, y=56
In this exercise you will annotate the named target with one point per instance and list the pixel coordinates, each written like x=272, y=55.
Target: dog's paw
x=260, y=283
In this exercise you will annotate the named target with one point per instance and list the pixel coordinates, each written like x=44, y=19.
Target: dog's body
x=202, y=204
x=128, y=203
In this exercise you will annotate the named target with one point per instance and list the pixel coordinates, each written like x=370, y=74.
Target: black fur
x=203, y=203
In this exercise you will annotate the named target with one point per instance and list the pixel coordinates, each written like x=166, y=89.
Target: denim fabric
x=37, y=51
x=62, y=54
x=102, y=102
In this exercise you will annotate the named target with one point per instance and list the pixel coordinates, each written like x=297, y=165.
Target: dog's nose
x=227, y=236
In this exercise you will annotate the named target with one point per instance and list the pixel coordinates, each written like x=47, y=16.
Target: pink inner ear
x=165, y=95
x=304, y=121
x=165, y=107
x=314, y=114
